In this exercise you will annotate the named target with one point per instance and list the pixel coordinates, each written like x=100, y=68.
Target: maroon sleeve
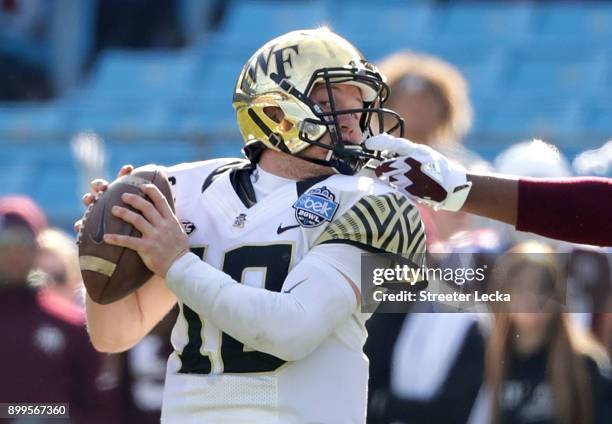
x=577, y=210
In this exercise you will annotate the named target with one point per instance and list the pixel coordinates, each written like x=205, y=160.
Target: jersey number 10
x=235, y=358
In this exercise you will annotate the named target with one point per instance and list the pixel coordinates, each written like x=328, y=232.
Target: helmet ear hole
x=285, y=125
x=275, y=113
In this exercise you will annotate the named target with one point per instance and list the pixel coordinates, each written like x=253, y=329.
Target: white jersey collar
x=265, y=182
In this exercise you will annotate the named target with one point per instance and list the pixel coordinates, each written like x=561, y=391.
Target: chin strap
x=348, y=162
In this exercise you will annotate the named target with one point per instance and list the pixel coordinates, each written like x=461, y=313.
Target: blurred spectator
x=138, y=24
x=589, y=275
x=57, y=266
x=43, y=45
x=534, y=158
x=432, y=97
x=596, y=162
x=427, y=366
x=430, y=94
x=49, y=357
x=20, y=222
x=603, y=326
x=200, y=16
x=539, y=368
x=436, y=370
x=23, y=35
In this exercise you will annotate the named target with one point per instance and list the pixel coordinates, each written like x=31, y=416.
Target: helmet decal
x=262, y=61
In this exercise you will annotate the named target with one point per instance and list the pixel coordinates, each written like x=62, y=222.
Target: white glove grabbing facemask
x=420, y=172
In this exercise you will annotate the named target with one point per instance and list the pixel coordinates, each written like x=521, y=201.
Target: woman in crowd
x=539, y=368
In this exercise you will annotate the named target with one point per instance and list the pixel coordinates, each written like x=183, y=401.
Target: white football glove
x=420, y=172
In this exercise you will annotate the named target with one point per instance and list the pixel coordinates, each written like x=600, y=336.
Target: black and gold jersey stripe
x=386, y=223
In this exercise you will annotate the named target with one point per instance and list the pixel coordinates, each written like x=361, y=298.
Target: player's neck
x=287, y=166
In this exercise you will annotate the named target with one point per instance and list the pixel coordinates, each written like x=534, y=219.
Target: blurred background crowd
x=87, y=86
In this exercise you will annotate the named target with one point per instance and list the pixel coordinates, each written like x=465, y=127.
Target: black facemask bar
x=346, y=158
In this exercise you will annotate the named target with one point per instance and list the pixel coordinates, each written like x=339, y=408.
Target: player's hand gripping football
x=163, y=239
x=99, y=186
x=156, y=261
x=418, y=171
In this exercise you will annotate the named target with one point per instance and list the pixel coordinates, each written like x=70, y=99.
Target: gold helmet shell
x=282, y=74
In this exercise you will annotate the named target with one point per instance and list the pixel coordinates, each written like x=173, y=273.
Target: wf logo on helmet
x=315, y=207
x=262, y=62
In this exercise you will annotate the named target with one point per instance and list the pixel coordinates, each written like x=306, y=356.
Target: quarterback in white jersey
x=213, y=376
x=263, y=255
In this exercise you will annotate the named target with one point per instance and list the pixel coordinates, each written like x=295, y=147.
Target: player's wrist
x=179, y=264
x=456, y=199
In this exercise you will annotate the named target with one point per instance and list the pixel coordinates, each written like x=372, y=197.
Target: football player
x=576, y=210
x=263, y=255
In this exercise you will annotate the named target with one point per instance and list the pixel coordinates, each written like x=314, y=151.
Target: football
x=112, y=272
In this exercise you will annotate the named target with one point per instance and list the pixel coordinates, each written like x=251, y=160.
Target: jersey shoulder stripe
x=203, y=168
x=187, y=179
x=383, y=223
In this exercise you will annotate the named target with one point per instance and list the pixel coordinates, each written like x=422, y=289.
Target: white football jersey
x=214, y=378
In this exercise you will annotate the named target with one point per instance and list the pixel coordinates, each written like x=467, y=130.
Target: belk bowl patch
x=315, y=207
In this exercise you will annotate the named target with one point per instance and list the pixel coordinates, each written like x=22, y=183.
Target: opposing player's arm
x=289, y=325
x=494, y=197
x=120, y=325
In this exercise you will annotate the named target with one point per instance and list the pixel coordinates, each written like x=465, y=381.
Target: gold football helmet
x=283, y=74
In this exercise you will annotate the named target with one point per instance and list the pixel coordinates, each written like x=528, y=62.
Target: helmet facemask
x=343, y=156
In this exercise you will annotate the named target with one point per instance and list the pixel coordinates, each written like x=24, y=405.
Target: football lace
x=84, y=219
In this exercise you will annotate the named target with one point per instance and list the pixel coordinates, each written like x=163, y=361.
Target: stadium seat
x=168, y=152
x=217, y=79
x=154, y=76
x=224, y=147
x=588, y=21
x=596, y=115
x=379, y=30
x=529, y=117
x=31, y=121
x=251, y=23
x=129, y=120
x=492, y=21
x=201, y=122
x=544, y=68
x=45, y=171
x=57, y=189
x=17, y=176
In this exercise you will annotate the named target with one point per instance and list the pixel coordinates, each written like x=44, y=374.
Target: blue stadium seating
x=543, y=68
x=590, y=21
x=129, y=120
x=534, y=69
x=31, y=121
x=251, y=23
x=492, y=21
x=596, y=115
x=17, y=175
x=169, y=152
x=381, y=29
x=528, y=117
x=154, y=76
